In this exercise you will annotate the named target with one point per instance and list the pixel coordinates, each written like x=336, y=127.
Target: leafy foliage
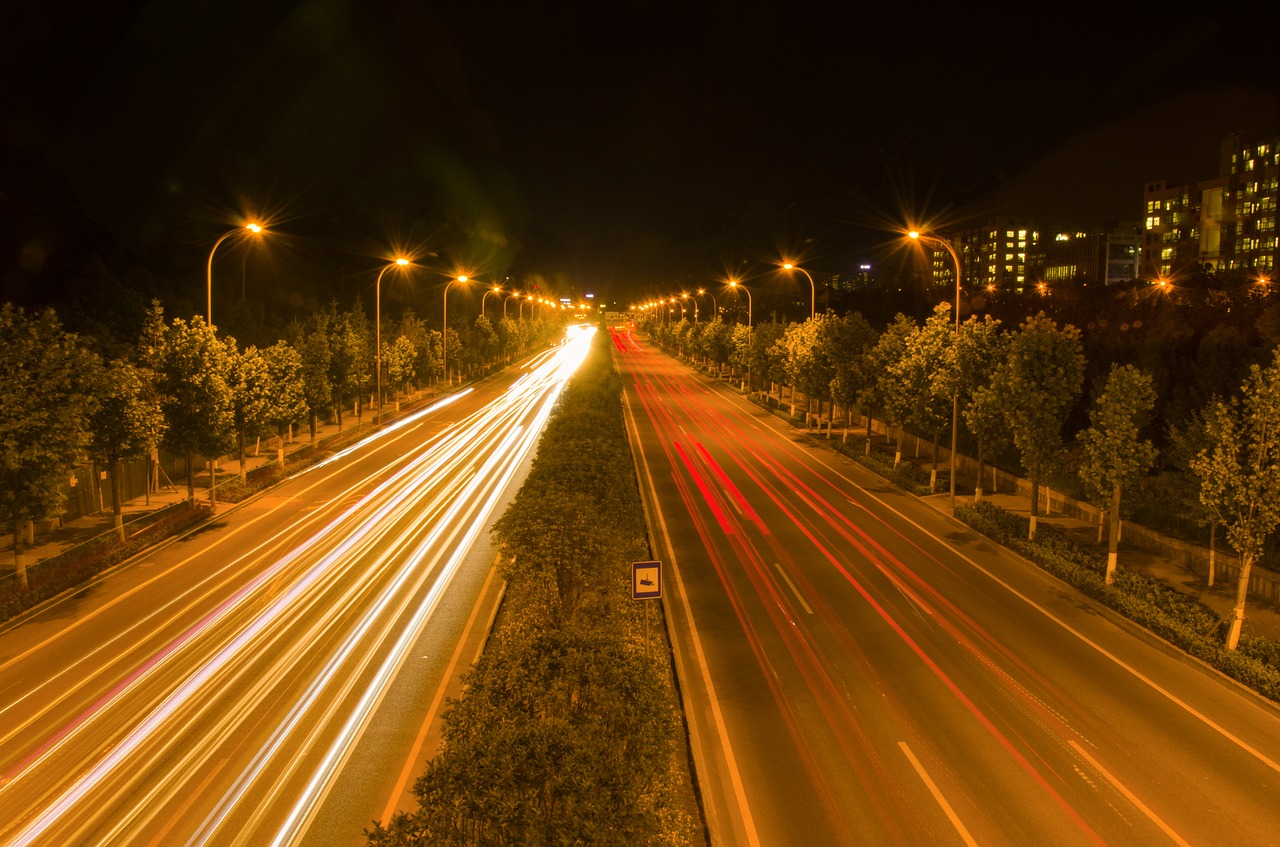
x=50, y=382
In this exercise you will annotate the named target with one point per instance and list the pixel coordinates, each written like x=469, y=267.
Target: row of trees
x=1014, y=390
x=184, y=389
x=567, y=732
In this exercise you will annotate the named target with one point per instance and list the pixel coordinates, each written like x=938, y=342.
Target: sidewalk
x=72, y=533
x=1260, y=619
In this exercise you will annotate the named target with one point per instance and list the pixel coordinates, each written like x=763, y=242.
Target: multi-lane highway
x=859, y=668
x=261, y=681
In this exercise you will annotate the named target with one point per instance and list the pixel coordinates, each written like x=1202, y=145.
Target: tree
x=740, y=357
x=250, y=384
x=889, y=392
x=917, y=374
x=985, y=417
x=1114, y=454
x=1043, y=373
x=127, y=421
x=971, y=363
x=313, y=349
x=192, y=378
x=854, y=338
x=48, y=395
x=398, y=358
x=1240, y=472
x=764, y=368
x=287, y=401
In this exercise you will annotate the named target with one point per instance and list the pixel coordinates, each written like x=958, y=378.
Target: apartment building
x=1224, y=223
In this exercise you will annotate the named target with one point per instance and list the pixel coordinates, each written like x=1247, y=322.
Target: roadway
x=266, y=679
x=859, y=668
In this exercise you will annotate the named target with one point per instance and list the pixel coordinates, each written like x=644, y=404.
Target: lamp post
x=400, y=262
x=695, y=306
x=252, y=227
x=813, y=291
x=735, y=285
x=955, y=396
x=715, y=310
x=506, y=300
x=461, y=279
x=497, y=289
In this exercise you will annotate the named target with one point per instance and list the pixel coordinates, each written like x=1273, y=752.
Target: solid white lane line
x=937, y=795
x=1129, y=795
x=731, y=763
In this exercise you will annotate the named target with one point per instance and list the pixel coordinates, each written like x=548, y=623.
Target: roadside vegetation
x=176, y=387
x=1169, y=417
x=569, y=730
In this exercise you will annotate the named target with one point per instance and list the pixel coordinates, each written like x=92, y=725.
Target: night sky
x=620, y=148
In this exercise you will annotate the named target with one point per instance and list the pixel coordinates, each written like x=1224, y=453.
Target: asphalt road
x=859, y=668
x=262, y=680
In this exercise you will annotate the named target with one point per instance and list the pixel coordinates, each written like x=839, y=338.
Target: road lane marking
x=1132, y=798
x=416, y=750
x=937, y=795
x=731, y=762
x=1150, y=683
x=792, y=585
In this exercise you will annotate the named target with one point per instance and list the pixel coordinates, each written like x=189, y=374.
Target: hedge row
x=569, y=730
x=1180, y=620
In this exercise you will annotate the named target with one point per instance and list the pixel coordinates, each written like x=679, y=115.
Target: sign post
x=646, y=584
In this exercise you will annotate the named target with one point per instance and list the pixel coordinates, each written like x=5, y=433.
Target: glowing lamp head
x=402, y=261
x=462, y=277
x=253, y=227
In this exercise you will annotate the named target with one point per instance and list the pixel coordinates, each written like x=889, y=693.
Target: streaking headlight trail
x=299, y=657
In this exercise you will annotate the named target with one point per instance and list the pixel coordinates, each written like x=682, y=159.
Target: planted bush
x=1180, y=620
x=568, y=730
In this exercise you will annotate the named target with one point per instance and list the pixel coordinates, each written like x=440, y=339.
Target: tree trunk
x=213, y=486
x=191, y=479
x=241, y=438
x=977, y=490
x=312, y=416
x=1213, y=549
x=1242, y=592
x=1035, y=503
x=1113, y=545
x=117, y=508
x=897, y=454
x=19, y=560
x=933, y=472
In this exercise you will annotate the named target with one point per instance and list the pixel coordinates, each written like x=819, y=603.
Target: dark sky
x=622, y=147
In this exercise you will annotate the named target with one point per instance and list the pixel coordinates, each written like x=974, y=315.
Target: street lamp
x=251, y=227
x=505, y=301
x=916, y=235
x=813, y=291
x=461, y=279
x=715, y=310
x=735, y=285
x=400, y=262
x=695, y=306
x=497, y=289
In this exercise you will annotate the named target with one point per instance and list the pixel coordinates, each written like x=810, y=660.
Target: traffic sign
x=646, y=580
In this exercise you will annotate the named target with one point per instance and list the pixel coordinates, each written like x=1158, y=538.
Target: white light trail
x=361, y=551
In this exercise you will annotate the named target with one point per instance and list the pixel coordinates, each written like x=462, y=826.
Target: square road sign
x=646, y=580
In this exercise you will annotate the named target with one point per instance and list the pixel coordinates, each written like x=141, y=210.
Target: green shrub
x=1178, y=619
